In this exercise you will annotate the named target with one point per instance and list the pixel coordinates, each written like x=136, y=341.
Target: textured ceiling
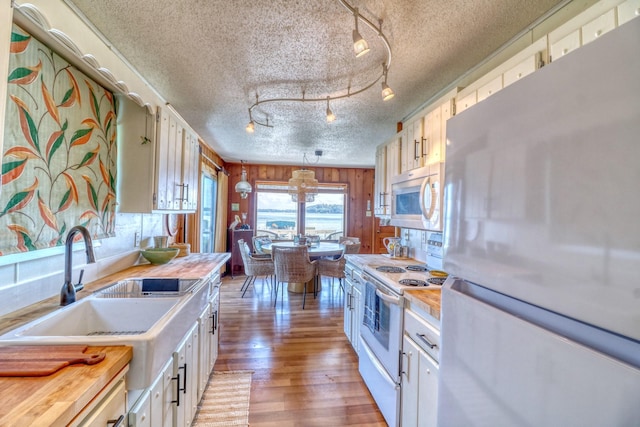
x=209, y=58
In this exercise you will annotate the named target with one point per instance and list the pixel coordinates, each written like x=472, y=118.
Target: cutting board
x=42, y=360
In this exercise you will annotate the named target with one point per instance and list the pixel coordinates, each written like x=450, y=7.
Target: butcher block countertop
x=193, y=266
x=427, y=299
x=54, y=400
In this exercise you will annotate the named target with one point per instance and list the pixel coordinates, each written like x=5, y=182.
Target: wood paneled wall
x=359, y=181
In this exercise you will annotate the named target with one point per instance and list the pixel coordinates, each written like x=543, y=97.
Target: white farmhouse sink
x=102, y=317
x=152, y=326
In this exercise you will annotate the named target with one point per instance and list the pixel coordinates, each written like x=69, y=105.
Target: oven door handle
x=388, y=298
x=369, y=354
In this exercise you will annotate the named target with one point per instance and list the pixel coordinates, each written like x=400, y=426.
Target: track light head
x=387, y=92
x=251, y=127
x=360, y=46
x=330, y=116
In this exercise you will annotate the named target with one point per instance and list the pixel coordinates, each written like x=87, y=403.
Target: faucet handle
x=79, y=286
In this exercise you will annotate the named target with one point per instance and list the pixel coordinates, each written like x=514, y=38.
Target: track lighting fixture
x=387, y=92
x=360, y=47
x=330, y=116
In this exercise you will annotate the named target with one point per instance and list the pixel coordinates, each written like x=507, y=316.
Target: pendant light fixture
x=303, y=185
x=387, y=92
x=243, y=187
x=360, y=46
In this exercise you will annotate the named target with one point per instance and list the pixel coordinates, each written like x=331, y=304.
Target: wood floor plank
x=305, y=370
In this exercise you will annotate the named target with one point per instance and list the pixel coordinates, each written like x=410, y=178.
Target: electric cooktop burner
x=390, y=269
x=412, y=282
x=436, y=280
x=416, y=267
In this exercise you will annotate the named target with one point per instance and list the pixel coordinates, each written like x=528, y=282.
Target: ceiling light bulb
x=360, y=46
x=387, y=92
x=251, y=127
x=330, y=116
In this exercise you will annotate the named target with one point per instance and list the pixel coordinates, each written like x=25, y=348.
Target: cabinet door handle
x=424, y=145
x=177, y=380
x=402, y=364
x=118, y=422
x=416, y=156
x=214, y=322
x=184, y=383
x=184, y=188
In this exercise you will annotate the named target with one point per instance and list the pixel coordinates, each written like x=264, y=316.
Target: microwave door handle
x=388, y=298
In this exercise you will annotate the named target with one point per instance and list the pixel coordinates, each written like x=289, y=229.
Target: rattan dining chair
x=259, y=242
x=254, y=266
x=351, y=244
x=334, y=268
x=292, y=265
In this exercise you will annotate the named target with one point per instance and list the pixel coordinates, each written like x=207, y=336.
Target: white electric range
x=382, y=327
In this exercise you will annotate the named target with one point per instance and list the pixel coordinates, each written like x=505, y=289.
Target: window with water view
x=279, y=217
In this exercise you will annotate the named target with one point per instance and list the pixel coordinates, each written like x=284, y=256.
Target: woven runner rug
x=226, y=400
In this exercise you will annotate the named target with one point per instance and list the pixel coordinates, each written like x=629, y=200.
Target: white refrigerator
x=541, y=313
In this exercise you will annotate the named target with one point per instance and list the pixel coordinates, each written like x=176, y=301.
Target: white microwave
x=416, y=198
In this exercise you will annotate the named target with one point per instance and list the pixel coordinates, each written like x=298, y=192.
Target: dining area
x=300, y=264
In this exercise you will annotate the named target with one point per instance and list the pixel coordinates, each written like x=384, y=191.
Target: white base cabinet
x=110, y=407
x=173, y=397
x=353, y=305
x=420, y=348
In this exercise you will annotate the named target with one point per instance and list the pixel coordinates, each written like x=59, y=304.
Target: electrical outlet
x=137, y=239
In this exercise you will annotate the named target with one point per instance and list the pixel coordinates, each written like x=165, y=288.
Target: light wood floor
x=305, y=370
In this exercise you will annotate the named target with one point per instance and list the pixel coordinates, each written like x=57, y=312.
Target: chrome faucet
x=68, y=292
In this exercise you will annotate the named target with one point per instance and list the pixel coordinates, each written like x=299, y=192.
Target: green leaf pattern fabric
x=59, y=138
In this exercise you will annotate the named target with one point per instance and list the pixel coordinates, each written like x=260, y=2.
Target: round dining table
x=323, y=249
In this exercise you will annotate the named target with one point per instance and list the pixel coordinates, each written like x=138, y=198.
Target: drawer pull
x=116, y=423
x=426, y=341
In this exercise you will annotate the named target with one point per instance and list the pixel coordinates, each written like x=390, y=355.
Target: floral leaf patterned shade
x=59, y=159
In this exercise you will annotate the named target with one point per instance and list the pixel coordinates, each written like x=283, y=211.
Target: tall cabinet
x=159, y=159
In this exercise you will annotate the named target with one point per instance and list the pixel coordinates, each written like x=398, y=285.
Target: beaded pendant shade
x=303, y=186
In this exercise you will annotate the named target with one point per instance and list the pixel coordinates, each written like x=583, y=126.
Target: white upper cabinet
x=518, y=66
x=599, y=26
x=488, y=89
x=520, y=70
x=466, y=101
x=387, y=166
x=379, y=196
x=594, y=22
x=161, y=174
x=413, y=150
x=628, y=10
